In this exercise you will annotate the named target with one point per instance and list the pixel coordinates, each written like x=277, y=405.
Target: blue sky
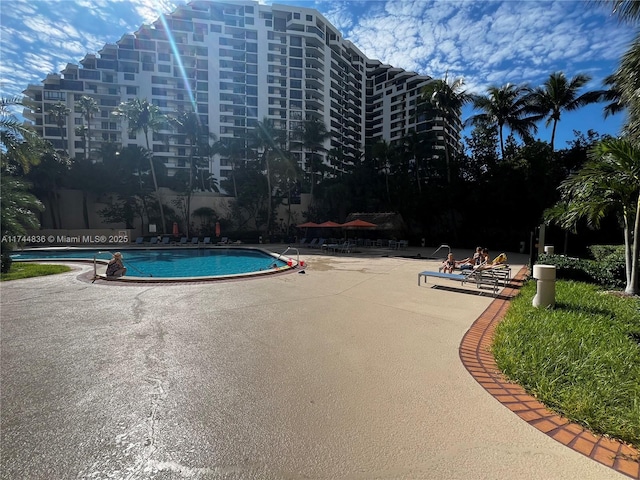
x=484, y=42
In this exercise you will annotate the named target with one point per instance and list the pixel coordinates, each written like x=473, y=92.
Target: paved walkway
x=349, y=371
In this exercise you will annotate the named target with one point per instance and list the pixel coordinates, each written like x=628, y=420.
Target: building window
x=164, y=68
x=132, y=90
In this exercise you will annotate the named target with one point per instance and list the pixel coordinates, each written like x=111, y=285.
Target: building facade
x=234, y=64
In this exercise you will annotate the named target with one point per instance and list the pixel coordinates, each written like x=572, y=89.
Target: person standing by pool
x=115, y=267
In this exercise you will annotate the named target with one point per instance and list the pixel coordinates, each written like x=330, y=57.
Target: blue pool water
x=172, y=263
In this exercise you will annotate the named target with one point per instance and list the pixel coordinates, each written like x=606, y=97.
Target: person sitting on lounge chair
x=449, y=264
x=470, y=262
x=487, y=264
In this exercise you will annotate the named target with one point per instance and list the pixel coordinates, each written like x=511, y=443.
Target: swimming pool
x=174, y=263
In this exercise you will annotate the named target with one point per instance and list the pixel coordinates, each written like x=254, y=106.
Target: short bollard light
x=546, y=286
x=549, y=250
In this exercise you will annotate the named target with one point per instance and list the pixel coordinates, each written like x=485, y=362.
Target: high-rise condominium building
x=234, y=64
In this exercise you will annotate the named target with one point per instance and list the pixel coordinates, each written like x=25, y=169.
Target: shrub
x=606, y=268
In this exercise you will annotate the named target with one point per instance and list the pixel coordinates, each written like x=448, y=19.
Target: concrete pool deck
x=347, y=371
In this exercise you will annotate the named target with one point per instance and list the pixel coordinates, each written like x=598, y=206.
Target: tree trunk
x=155, y=182
x=633, y=255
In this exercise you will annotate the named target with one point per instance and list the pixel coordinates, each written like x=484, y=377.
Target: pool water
x=172, y=263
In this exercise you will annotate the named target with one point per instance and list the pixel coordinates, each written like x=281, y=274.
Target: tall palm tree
x=233, y=150
x=267, y=141
x=609, y=181
x=88, y=107
x=59, y=112
x=559, y=94
x=505, y=106
x=313, y=134
x=144, y=116
x=446, y=97
x=189, y=124
x=382, y=152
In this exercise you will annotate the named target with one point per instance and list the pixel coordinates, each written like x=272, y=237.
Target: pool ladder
x=297, y=255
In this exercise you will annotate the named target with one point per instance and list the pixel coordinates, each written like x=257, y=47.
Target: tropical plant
x=59, y=113
x=233, y=149
x=446, y=98
x=144, y=116
x=267, y=141
x=313, y=134
x=609, y=181
x=188, y=124
x=505, y=106
x=558, y=94
x=20, y=146
x=88, y=107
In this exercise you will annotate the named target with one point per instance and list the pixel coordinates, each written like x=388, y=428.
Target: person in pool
x=115, y=267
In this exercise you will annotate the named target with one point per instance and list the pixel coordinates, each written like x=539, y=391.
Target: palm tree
x=382, y=152
x=626, y=10
x=20, y=146
x=234, y=150
x=88, y=107
x=505, y=106
x=313, y=134
x=59, y=112
x=559, y=94
x=609, y=181
x=625, y=81
x=142, y=115
x=267, y=140
x=447, y=99
x=198, y=138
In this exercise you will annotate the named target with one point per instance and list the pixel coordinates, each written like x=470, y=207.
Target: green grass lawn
x=20, y=270
x=581, y=359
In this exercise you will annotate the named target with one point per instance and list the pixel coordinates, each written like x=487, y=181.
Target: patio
x=348, y=371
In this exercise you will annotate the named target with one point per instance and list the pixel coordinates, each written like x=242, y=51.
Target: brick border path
x=478, y=360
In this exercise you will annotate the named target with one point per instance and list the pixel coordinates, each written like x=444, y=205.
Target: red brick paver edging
x=476, y=356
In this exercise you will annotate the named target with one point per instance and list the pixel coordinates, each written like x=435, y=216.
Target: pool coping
x=475, y=354
x=290, y=265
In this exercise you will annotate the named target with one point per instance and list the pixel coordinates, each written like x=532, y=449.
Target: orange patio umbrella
x=357, y=223
x=330, y=224
x=308, y=225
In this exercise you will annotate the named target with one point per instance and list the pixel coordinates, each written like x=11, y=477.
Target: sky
x=487, y=43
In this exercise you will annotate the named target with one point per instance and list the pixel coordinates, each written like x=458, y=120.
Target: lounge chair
x=207, y=240
x=166, y=240
x=302, y=241
x=183, y=241
x=312, y=243
x=320, y=244
x=154, y=240
x=194, y=241
x=223, y=241
x=479, y=277
x=139, y=240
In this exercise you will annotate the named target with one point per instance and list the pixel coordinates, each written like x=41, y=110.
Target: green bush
x=606, y=267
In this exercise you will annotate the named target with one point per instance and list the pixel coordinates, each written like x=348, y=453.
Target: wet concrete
x=349, y=371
